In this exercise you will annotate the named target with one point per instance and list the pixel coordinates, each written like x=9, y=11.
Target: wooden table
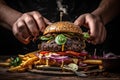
x=4, y=75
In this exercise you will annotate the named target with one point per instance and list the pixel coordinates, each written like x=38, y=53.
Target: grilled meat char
x=74, y=43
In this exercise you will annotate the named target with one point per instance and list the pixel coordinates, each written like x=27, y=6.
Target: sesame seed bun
x=62, y=26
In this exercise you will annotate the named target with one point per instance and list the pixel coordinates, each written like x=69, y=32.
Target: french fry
x=21, y=69
x=30, y=61
x=37, y=62
x=32, y=54
x=92, y=61
x=14, y=69
x=23, y=61
x=30, y=67
x=25, y=58
x=21, y=56
x=4, y=64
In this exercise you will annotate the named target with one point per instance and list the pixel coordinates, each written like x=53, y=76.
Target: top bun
x=62, y=26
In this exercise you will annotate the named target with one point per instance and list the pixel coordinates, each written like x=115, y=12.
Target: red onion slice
x=109, y=56
x=60, y=58
x=55, y=55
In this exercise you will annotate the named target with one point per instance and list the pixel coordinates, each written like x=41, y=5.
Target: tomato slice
x=72, y=53
x=44, y=52
x=61, y=53
x=77, y=54
x=83, y=54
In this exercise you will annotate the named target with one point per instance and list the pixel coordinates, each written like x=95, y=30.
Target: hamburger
x=62, y=33
x=61, y=43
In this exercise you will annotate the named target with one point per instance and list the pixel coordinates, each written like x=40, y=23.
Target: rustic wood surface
x=4, y=75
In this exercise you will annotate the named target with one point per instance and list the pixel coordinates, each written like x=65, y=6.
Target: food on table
x=62, y=43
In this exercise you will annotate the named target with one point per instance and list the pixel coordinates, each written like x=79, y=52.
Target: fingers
x=21, y=27
x=96, y=27
x=39, y=20
x=99, y=31
x=94, y=30
x=18, y=34
x=29, y=25
x=80, y=21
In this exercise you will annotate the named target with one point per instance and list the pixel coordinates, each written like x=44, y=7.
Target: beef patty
x=71, y=44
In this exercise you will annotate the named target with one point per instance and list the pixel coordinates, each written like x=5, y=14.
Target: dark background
x=10, y=45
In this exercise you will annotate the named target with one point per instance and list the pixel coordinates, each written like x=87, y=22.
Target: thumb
x=80, y=20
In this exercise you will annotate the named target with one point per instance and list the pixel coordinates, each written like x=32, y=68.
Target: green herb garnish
x=86, y=35
x=15, y=61
x=46, y=38
x=60, y=39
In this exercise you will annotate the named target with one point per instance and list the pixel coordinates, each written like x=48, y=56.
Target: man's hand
x=95, y=25
x=29, y=25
